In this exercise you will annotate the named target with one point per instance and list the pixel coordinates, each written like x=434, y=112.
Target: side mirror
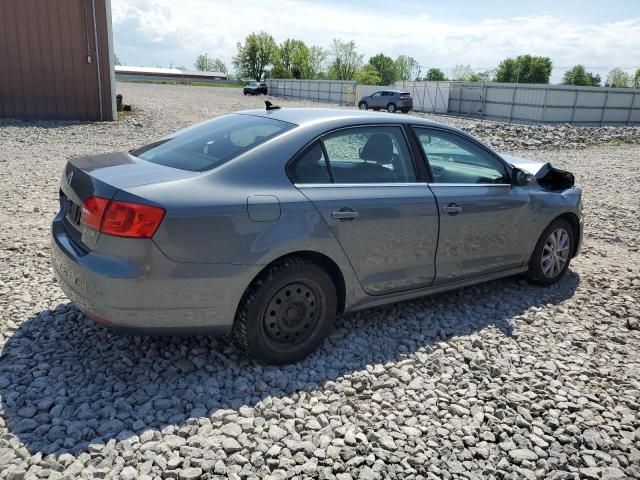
x=520, y=178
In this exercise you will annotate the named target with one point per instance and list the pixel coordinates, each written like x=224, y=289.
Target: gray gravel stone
x=502, y=380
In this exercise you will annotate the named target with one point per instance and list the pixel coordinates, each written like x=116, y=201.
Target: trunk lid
x=102, y=176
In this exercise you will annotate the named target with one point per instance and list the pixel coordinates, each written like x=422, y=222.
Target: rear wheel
x=552, y=255
x=362, y=105
x=391, y=108
x=287, y=312
x=404, y=110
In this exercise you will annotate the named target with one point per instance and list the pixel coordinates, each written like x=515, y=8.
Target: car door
x=362, y=181
x=481, y=213
x=376, y=100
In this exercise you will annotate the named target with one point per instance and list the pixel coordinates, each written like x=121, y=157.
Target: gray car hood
x=529, y=166
x=547, y=176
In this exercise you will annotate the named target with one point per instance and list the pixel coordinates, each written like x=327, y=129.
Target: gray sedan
x=266, y=223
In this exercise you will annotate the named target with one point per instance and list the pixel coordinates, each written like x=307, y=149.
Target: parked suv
x=390, y=100
x=255, y=88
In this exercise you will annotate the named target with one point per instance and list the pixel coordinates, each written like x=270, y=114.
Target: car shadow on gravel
x=66, y=383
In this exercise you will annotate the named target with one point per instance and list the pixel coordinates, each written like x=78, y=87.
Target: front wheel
x=552, y=255
x=391, y=108
x=287, y=312
x=362, y=105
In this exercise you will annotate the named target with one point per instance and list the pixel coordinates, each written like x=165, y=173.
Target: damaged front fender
x=551, y=178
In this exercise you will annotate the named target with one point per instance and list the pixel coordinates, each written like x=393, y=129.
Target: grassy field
x=219, y=84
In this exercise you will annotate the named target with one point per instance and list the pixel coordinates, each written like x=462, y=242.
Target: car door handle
x=344, y=214
x=452, y=209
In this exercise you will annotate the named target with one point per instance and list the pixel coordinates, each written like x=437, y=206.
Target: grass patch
x=221, y=84
x=122, y=115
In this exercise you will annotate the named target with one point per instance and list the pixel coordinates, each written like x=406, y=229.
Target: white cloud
x=167, y=31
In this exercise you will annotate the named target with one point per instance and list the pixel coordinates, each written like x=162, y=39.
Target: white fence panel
x=504, y=102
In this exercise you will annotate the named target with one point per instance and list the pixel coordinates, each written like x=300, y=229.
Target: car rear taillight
x=122, y=219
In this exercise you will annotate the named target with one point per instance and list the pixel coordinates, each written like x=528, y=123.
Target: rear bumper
x=405, y=104
x=144, y=290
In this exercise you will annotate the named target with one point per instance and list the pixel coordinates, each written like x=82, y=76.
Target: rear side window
x=369, y=155
x=310, y=167
x=213, y=143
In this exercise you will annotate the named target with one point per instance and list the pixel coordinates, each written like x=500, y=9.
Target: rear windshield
x=213, y=143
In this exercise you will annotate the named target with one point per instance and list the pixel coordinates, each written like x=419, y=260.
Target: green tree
x=618, y=78
x=204, y=63
x=479, y=77
x=386, y=68
x=577, y=75
x=462, y=73
x=279, y=71
x=595, y=79
x=367, y=75
x=316, y=60
x=345, y=60
x=406, y=67
x=293, y=56
x=435, y=75
x=258, y=52
x=524, y=69
x=636, y=78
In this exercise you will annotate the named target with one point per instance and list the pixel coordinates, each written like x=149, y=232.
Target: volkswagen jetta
x=266, y=223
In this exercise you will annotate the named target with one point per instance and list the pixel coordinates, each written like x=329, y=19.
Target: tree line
x=259, y=56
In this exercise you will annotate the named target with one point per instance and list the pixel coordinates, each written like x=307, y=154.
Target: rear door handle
x=452, y=209
x=344, y=214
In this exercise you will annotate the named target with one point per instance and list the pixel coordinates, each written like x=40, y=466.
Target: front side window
x=454, y=159
x=213, y=143
x=376, y=95
x=369, y=155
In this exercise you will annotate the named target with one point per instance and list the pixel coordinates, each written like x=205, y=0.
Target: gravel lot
x=503, y=380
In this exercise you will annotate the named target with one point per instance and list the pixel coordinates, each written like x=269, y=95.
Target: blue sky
x=438, y=34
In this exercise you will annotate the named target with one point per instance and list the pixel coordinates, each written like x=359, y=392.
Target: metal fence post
x=604, y=106
x=544, y=103
x=484, y=94
x=459, y=97
x=513, y=101
x=633, y=100
x=575, y=103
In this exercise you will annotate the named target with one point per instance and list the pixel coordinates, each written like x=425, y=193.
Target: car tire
x=405, y=111
x=391, y=108
x=286, y=313
x=363, y=105
x=552, y=255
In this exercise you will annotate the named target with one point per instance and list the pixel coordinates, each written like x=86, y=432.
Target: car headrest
x=379, y=149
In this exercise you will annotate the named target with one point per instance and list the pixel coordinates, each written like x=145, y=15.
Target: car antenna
x=271, y=106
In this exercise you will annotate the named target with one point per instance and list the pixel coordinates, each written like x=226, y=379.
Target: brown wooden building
x=56, y=60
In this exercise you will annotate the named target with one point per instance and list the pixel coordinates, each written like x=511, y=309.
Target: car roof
x=304, y=116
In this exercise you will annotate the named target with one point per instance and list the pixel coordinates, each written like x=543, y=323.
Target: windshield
x=213, y=143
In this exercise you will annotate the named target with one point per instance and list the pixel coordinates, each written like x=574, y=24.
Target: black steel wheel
x=287, y=312
x=292, y=314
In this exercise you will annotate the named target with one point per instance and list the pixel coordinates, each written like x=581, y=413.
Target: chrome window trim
x=343, y=185
x=434, y=184
x=399, y=184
